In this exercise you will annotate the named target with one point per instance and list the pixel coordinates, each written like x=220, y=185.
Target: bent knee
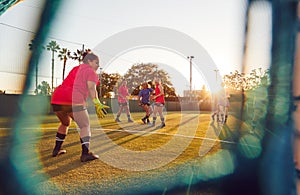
x=66, y=123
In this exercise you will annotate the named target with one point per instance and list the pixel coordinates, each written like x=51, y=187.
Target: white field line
x=140, y=131
x=169, y=134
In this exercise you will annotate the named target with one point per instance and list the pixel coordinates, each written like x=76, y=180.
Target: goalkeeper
x=69, y=103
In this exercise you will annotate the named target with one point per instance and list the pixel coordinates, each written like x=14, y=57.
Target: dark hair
x=89, y=56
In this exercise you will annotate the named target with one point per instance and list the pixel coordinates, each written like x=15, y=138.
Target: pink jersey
x=161, y=98
x=74, y=89
x=123, y=92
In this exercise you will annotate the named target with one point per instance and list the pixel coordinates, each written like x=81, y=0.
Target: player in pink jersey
x=69, y=103
x=159, y=102
x=123, y=101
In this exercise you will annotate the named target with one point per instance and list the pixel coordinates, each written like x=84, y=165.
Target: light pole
x=190, y=58
x=216, y=70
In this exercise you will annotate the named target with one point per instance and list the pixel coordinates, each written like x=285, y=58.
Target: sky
x=125, y=32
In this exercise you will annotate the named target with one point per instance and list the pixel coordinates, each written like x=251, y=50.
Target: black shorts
x=145, y=104
x=123, y=103
x=68, y=108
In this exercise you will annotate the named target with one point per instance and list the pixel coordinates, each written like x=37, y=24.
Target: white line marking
x=141, y=131
x=163, y=133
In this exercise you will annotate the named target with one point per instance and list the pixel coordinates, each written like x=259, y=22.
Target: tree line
x=137, y=74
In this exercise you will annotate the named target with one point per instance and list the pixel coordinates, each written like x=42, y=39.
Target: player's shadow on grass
x=62, y=164
x=216, y=127
x=55, y=166
x=119, y=135
x=227, y=135
x=48, y=153
x=182, y=123
x=124, y=126
x=48, y=160
x=44, y=154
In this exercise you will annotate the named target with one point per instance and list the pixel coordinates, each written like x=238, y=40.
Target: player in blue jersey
x=144, y=98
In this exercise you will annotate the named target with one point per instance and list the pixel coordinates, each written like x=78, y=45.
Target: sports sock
x=154, y=120
x=85, y=144
x=60, y=138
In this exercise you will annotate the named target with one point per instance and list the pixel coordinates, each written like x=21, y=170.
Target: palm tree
x=34, y=46
x=79, y=54
x=63, y=55
x=53, y=47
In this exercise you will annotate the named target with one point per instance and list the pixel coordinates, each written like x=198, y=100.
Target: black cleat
x=144, y=120
x=117, y=120
x=162, y=125
x=58, y=152
x=88, y=157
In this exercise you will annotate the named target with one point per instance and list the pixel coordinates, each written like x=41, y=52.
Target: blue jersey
x=145, y=94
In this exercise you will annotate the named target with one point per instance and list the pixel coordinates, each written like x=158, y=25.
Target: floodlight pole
x=190, y=58
x=216, y=70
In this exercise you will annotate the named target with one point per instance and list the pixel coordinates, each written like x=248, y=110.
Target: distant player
x=222, y=107
x=144, y=101
x=159, y=102
x=123, y=101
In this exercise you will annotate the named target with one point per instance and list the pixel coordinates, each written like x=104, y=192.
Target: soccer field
x=134, y=157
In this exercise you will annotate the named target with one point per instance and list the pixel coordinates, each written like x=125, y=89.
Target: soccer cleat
x=144, y=120
x=130, y=121
x=117, y=120
x=162, y=125
x=88, y=157
x=148, y=121
x=58, y=152
x=151, y=124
